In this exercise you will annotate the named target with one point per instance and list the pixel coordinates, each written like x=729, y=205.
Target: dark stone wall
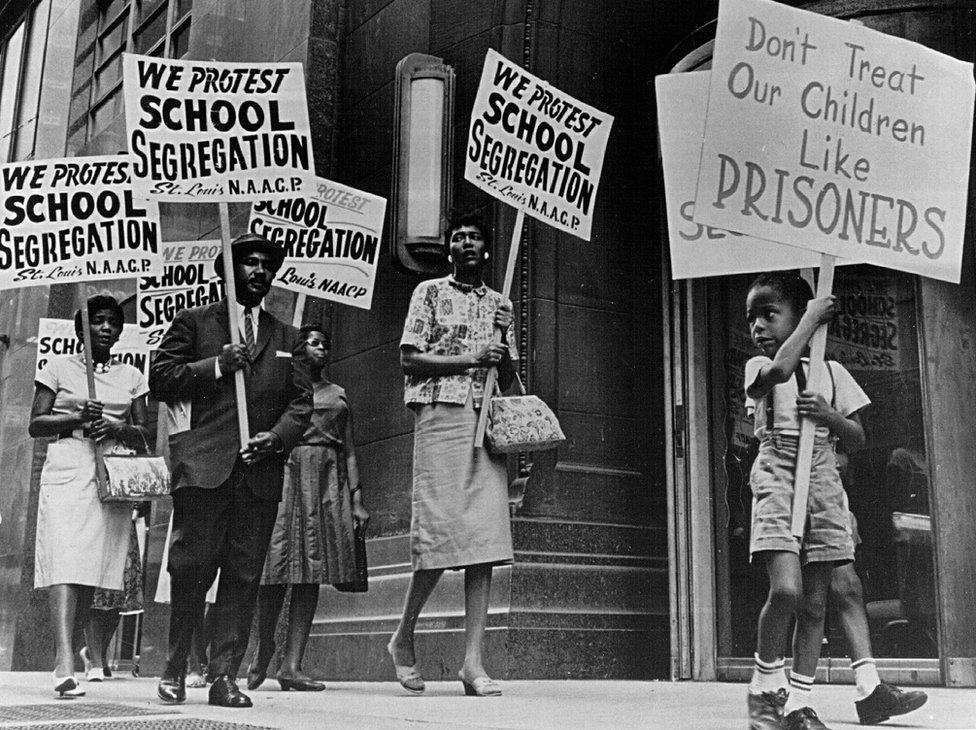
x=587, y=595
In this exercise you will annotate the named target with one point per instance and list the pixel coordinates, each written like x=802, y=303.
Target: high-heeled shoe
x=67, y=687
x=257, y=672
x=408, y=677
x=483, y=686
x=94, y=674
x=299, y=684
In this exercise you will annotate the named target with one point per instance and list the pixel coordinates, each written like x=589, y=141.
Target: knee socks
x=801, y=691
x=865, y=676
x=767, y=676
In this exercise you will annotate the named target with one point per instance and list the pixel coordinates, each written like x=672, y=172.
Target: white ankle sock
x=767, y=676
x=801, y=691
x=865, y=676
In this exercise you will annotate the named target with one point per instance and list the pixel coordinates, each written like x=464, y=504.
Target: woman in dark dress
x=313, y=542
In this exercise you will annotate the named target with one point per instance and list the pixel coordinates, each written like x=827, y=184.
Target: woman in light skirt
x=460, y=516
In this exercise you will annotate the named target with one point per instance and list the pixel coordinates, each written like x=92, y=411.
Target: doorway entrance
x=876, y=338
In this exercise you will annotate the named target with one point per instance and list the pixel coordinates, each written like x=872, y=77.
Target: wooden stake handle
x=230, y=291
x=100, y=474
x=513, y=253
x=299, y=314
x=804, y=456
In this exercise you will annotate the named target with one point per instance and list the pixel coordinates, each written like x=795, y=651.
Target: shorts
x=827, y=532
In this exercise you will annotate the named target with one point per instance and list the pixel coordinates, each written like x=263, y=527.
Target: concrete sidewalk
x=128, y=702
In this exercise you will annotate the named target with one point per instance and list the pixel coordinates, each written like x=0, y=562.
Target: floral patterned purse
x=521, y=423
x=132, y=477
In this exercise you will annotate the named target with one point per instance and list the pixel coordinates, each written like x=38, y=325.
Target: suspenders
x=801, y=385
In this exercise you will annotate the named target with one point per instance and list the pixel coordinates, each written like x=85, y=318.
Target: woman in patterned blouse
x=460, y=513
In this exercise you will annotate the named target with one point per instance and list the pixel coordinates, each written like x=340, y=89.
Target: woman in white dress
x=81, y=543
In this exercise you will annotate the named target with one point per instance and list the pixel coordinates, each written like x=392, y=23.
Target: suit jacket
x=279, y=398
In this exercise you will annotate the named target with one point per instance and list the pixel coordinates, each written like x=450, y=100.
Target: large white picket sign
x=696, y=249
x=57, y=337
x=71, y=220
x=331, y=239
x=188, y=280
x=535, y=147
x=835, y=137
x=208, y=131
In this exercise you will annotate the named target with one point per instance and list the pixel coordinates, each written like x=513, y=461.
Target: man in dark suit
x=225, y=497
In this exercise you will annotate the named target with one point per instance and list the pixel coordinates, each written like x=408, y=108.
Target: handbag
x=132, y=477
x=360, y=583
x=521, y=423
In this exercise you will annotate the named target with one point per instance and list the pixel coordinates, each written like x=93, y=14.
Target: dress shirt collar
x=255, y=316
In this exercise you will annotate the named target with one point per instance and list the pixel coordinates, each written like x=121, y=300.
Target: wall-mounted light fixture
x=422, y=155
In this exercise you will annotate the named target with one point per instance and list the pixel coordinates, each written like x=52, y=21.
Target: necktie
x=249, y=331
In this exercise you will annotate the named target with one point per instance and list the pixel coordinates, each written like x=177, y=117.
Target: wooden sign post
x=100, y=474
x=230, y=290
x=804, y=457
x=513, y=253
x=299, y=314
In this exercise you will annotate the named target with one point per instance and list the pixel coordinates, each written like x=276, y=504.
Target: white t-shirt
x=841, y=391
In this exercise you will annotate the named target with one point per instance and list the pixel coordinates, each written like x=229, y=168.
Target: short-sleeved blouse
x=116, y=388
x=449, y=318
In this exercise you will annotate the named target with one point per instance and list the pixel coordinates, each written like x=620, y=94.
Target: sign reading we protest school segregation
x=205, y=131
x=188, y=280
x=535, y=147
x=57, y=337
x=829, y=135
x=331, y=239
x=72, y=220
x=696, y=249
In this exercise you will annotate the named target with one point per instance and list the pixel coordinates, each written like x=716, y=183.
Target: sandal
x=408, y=677
x=483, y=686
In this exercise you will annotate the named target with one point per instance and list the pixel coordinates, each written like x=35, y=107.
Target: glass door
x=876, y=338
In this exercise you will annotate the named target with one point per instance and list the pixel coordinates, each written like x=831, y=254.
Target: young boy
x=782, y=316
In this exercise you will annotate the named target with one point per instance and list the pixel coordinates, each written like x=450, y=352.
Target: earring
x=486, y=255
x=450, y=259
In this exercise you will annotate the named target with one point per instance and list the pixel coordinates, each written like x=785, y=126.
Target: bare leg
x=477, y=590
x=422, y=584
x=808, y=637
x=66, y=602
x=98, y=635
x=785, y=589
x=847, y=595
x=304, y=599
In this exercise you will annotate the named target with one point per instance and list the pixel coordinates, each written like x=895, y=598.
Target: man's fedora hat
x=247, y=243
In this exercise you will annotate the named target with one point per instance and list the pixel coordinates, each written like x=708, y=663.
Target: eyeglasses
x=317, y=343
x=459, y=236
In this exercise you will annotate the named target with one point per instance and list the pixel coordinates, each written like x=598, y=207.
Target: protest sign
x=71, y=220
x=206, y=131
x=535, y=147
x=331, y=239
x=57, y=337
x=835, y=137
x=188, y=280
x=696, y=249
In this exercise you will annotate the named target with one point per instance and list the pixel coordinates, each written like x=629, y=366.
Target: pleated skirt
x=313, y=540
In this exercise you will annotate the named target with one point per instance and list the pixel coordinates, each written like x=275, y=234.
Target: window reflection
x=11, y=65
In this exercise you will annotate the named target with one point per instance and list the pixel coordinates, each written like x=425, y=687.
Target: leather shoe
x=172, y=690
x=224, y=693
x=300, y=684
